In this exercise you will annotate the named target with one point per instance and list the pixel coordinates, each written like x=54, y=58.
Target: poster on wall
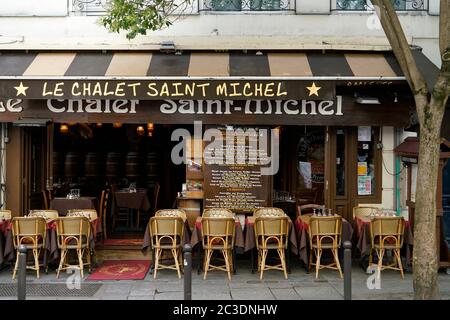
x=364, y=133
x=364, y=185
x=305, y=172
x=362, y=168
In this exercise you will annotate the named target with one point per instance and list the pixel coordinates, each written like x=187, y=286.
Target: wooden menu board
x=238, y=185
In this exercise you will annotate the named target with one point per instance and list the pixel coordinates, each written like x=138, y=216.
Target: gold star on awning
x=313, y=90
x=21, y=89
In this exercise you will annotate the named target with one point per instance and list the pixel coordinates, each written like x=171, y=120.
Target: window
x=246, y=5
x=399, y=5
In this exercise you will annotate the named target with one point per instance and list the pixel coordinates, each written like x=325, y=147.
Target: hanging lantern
x=117, y=125
x=99, y=125
x=140, y=130
x=64, y=128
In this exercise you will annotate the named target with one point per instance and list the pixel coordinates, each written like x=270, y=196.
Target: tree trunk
x=425, y=262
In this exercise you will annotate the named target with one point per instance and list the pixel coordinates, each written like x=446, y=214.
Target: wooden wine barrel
x=153, y=168
x=114, y=166
x=73, y=166
x=93, y=166
x=133, y=166
x=192, y=207
x=58, y=165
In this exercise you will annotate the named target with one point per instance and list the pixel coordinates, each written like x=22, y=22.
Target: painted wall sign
x=158, y=89
x=341, y=111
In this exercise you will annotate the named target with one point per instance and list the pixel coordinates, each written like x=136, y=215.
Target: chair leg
x=283, y=262
x=175, y=257
x=61, y=262
x=16, y=266
x=208, y=255
x=380, y=262
x=80, y=261
x=336, y=259
x=318, y=255
x=36, y=261
x=157, y=255
x=227, y=263
x=263, y=262
x=399, y=262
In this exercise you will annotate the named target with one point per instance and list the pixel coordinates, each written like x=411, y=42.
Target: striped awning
x=354, y=65
x=191, y=75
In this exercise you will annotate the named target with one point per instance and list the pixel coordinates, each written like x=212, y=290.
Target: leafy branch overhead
x=139, y=16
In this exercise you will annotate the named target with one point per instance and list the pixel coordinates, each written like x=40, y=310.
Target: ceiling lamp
x=140, y=130
x=64, y=128
x=117, y=125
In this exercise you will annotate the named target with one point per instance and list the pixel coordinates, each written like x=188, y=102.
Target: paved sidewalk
x=244, y=285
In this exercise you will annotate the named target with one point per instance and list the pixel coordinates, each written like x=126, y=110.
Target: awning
x=191, y=75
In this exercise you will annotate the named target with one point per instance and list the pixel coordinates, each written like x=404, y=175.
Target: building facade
x=259, y=27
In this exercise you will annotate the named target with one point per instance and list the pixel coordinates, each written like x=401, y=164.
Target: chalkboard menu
x=232, y=171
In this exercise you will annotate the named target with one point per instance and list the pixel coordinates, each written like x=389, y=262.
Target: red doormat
x=123, y=242
x=121, y=270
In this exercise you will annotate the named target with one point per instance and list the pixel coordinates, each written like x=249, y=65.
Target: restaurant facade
x=324, y=122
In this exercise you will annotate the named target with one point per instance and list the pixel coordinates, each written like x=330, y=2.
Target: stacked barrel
x=97, y=168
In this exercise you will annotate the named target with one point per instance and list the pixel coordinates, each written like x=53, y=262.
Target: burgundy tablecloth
x=250, y=241
x=238, y=235
x=147, y=245
x=133, y=200
x=363, y=241
x=62, y=205
x=301, y=228
x=3, y=232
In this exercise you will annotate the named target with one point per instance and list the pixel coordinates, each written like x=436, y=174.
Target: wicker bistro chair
x=167, y=234
x=103, y=212
x=73, y=234
x=91, y=214
x=48, y=215
x=268, y=212
x=386, y=233
x=308, y=208
x=218, y=212
x=218, y=234
x=5, y=214
x=325, y=233
x=271, y=233
x=364, y=212
x=30, y=232
x=171, y=213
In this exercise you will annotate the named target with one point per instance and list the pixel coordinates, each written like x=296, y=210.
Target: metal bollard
x=347, y=270
x=22, y=282
x=187, y=272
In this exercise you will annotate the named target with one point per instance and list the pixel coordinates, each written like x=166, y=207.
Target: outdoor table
x=132, y=200
x=51, y=250
x=301, y=227
x=250, y=241
x=62, y=205
x=363, y=241
x=147, y=244
x=239, y=245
